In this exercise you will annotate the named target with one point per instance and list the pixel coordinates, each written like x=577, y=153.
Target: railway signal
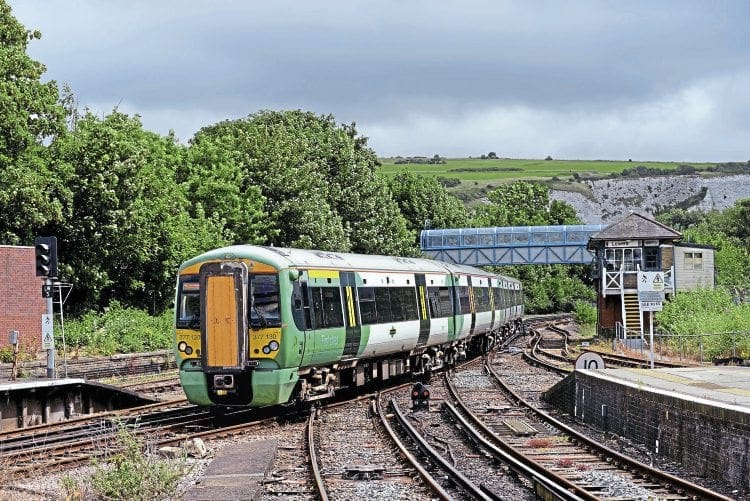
x=46, y=256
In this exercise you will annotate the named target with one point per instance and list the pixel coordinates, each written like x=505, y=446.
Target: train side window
x=463, y=299
x=367, y=308
x=410, y=303
x=482, y=298
x=403, y=303
x=301, y=306
x=397, y=304
x=383, y=305
x=327, y=308
x=441, y=301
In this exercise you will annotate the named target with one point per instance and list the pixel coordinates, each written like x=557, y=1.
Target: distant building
x=640, y=264
x=21, y=303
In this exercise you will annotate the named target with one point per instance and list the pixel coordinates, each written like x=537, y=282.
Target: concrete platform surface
x=717, y=386
x=29, y=383
x=236, y=472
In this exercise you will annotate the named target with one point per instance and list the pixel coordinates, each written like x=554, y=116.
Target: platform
x=39, y=401
x=716, y=386
x=33, y=383
x=696, y=416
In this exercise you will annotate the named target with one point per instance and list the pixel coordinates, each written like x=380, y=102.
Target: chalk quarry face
x=612, y=199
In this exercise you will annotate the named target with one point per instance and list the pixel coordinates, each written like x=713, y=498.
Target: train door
x=224, y=297
x=304, y=317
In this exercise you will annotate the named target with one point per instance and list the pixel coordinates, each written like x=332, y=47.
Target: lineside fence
x=719, y=348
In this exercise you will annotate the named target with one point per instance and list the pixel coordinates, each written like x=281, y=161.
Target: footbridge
x=511, y=245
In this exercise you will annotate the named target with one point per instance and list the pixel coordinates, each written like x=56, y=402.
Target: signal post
x=45, y=249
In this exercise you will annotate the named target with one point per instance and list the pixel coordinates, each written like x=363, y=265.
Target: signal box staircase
x=632, y=322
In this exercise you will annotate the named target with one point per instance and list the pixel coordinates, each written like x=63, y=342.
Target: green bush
x=585, y=313
x=118, y=330
x=707, y=321
x=6, y=354
x=131, y=474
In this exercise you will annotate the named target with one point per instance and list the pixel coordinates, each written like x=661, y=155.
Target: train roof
x=283, y=258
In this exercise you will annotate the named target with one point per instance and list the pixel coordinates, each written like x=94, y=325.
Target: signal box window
x=651, y=258
x=694, y=260
x=627, y=259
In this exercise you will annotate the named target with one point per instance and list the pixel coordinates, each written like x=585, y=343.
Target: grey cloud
x=381, y=63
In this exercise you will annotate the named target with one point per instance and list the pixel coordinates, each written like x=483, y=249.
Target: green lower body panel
x=271, y=387
x=194, y=386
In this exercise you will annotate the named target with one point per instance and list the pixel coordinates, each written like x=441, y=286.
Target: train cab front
x=229, y=336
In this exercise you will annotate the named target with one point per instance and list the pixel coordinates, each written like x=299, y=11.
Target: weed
x=539, y=443
x=71, y=488
x=134, y=474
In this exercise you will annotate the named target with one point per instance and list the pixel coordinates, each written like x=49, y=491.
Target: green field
x=502, y=169
x=478, y=176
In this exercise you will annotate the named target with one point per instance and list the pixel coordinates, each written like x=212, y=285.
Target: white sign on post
x=650, y=281
x=48, y=337
x=651, y=305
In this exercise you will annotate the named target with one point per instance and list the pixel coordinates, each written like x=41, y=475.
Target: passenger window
x=367, y=307
x=327, y=309
x=441, y=302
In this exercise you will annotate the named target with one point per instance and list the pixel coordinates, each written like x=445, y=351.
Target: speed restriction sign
x=589, y=360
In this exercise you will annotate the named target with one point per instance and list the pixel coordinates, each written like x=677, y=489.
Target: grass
x=506, y=169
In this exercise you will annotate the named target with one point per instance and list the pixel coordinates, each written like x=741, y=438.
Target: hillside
x=609, y=199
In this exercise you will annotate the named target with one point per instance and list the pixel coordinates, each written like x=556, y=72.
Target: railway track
x=362, y=463
x=549, y=348
x=584, y=462
x=66, y=444
x=453, y=466
x=372, y=464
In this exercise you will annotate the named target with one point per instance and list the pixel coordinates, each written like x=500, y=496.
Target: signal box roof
x=636, y=227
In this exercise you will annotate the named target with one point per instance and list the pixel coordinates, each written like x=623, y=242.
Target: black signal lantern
x=420, y=396
x=46, y=256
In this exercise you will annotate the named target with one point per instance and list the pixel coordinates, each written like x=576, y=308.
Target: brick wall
x=21, y=302
x=710, y=440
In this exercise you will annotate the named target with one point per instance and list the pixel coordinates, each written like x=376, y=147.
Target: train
x=258, y=326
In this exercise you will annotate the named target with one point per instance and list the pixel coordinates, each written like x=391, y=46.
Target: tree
x=29, y=114
x=318, y=181
x=523, y=203
x=424, y=199
x=219, y=189
x=128, y=224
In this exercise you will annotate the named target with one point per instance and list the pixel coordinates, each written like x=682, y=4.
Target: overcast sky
x=652, y=80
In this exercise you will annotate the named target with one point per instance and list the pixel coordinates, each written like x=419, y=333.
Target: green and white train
x=258, y=326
